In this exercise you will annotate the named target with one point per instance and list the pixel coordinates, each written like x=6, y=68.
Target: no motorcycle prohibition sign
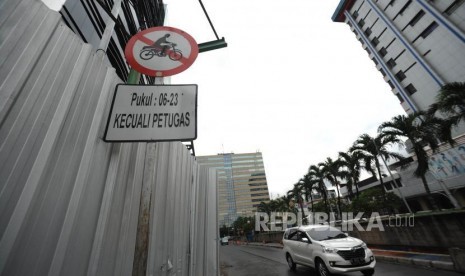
x=161, y=51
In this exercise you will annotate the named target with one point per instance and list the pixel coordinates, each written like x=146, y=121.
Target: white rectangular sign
x=149, y=113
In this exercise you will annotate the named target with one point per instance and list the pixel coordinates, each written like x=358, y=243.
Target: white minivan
x=224, y=241
x=327, y=249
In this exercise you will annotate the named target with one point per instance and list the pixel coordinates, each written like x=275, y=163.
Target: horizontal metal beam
x=212, y=45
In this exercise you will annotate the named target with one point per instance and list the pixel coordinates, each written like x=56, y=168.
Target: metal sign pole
x=110, y=26
x=133, y=77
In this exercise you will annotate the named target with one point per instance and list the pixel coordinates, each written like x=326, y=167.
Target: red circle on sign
x=185, y=62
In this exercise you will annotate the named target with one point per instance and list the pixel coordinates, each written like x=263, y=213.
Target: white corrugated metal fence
x=70, y=204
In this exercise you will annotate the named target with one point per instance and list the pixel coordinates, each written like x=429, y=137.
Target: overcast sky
x=291, y=84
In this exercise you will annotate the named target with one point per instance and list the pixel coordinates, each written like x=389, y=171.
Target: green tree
x=450, y=101
x=282, y=204
x=351, y=166
x=244, y=225
x=317, y=176
x=308, y=185
x=374, y=200
x=332, y=171
x=370, y=148
x=297, y=193
x=422, y=130
x=265, y=207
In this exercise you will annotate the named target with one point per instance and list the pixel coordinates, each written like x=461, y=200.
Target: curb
x=418, y=262
x=400, y=260
x=267, y=245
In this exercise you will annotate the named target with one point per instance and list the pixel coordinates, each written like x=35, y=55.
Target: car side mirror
x=305, y=240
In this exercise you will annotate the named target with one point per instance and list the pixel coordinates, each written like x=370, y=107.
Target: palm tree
x=297, y=193
x=285, y=203
x=421, y=130
x=370, y=148
x=451, y=102
x=331, y=171
x=264, y=207
x=317, y=176
x=308, y=186
x=351, y=162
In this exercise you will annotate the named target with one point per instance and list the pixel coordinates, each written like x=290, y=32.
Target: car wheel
x=322, y=269
x=368, y=272
x=290, y=262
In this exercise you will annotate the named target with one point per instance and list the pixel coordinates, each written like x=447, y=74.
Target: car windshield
x=325, y=233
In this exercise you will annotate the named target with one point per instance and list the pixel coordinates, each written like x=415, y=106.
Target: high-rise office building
x=241, y=184
x=417, y=45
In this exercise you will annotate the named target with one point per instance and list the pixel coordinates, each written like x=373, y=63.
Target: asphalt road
x=238, y=260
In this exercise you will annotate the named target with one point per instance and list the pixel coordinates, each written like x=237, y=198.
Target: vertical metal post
x=133, y=77
x=110, y=26
x=449, y=195
x=400, y=193
x=447, y=192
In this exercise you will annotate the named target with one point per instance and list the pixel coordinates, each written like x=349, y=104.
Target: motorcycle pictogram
x=149, y=52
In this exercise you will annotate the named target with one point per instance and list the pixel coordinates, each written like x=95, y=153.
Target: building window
x=429, y=29
x=382, y=52
x=399, y=54
x=416, y=18
x=361, y=22
x=355, y=14
x=401, y=100
x=400, y=76
x=389, y=4
x=392, y=185
x=392, y=41
x=375, y=61
x=367, y=14
x=413, y=64
x=262, y=194
x=390, y=84
x=401, y=12
x=410, y=89
x=391, y=63
x=368, y=32
x=375, y=41
x=382, y=32
x=382, y=72
x=388, y=186
x=259, y=199
x=453, y=7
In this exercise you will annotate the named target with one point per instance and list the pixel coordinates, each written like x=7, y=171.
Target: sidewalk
x=438, y=261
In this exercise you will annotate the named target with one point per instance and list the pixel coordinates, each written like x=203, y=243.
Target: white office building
x=418, y=46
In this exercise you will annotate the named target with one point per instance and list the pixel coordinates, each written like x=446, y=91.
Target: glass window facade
x=242, y=184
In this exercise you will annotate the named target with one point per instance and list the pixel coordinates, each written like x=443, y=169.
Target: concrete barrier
x=458, y=257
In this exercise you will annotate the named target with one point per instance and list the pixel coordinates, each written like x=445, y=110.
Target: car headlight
x=364, y=245
x=329, y=249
